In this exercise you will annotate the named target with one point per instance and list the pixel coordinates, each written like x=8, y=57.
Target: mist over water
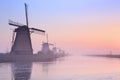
x=74, y=67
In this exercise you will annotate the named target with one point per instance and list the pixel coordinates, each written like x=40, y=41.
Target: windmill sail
x=15, y=23
x=38, y=31
x=26, y=13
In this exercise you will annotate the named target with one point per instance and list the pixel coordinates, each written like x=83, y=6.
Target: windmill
x=21, y=40
x=46, y=46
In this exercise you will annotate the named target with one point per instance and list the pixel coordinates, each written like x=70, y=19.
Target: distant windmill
x=21, y=40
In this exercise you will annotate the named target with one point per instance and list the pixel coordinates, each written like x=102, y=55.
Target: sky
x=71, y=24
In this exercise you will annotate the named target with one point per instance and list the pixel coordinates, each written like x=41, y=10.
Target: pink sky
x=70, y=24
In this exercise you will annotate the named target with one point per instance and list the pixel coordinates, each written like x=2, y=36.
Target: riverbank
x=29, y=58
x=107, y=56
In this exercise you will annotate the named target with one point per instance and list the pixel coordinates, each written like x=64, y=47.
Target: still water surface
x=69, y=68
